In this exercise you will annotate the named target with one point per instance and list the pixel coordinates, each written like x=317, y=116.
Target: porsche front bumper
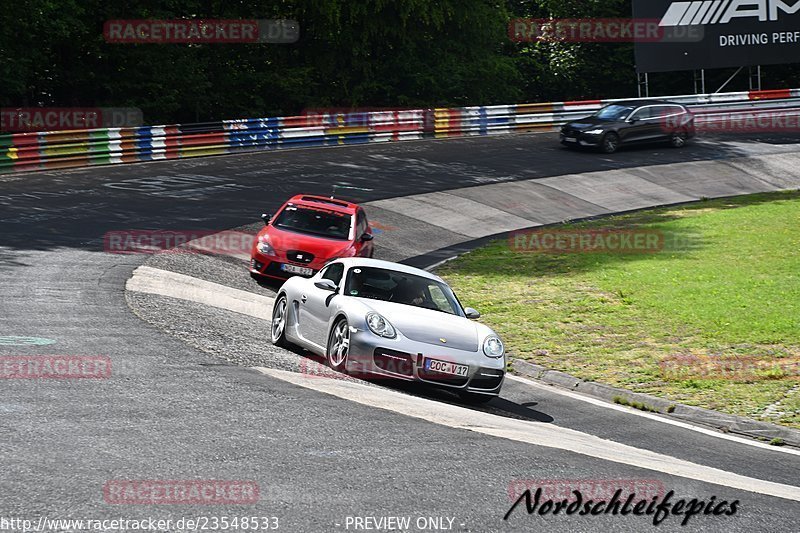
x=405, y=359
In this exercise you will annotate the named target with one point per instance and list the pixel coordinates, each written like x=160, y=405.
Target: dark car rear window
x=314, y=222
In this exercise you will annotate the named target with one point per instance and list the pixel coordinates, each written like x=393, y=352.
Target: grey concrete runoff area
x=197, y=392
x=482, y=211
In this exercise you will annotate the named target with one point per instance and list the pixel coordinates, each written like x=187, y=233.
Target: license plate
x=570, y=139
x=444, y=367
x=292, y=269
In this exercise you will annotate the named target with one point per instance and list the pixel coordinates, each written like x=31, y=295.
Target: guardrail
x=66, y=149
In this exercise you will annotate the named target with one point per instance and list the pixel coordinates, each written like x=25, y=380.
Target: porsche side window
x=334, y=272
x=438, y=297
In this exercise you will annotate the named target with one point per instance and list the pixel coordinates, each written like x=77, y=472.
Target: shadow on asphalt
x=763, y=138
x=270, y=284
x=498, y=406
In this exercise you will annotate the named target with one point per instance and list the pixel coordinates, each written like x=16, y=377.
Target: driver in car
x=409, y=293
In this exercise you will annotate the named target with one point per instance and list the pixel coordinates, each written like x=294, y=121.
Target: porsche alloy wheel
x=278, y=329
x=339, y=346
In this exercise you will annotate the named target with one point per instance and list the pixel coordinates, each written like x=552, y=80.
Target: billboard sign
x=734, y=33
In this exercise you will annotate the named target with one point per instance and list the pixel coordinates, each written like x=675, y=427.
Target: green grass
x=725, y=286
x=636, y=405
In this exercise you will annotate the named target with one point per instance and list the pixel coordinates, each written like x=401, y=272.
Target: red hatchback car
x=307, y=232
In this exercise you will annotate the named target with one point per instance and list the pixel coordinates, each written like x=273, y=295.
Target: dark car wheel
x=678, y=139
x=339, y=345
x=610, y=143
x=475, y=399
x=280, y=315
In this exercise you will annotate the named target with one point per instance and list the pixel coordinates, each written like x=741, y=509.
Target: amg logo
x=722, y=11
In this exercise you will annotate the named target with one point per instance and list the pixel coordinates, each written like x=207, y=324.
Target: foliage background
x=367, y=53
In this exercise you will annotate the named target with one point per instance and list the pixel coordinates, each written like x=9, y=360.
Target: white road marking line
x=650, y=416
x=165, y=283
x=539, y=434
x=436, y=265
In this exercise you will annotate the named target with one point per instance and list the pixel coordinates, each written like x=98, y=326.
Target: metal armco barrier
x=66, y=149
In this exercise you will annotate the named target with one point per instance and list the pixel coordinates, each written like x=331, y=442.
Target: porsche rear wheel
x=339, y=345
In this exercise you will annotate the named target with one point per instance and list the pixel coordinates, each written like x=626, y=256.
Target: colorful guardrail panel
x=21, y=152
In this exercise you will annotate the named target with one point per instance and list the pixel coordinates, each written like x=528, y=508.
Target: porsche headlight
x=380, y=326
x=593, y=132
x=493, y=346
x=265, y=247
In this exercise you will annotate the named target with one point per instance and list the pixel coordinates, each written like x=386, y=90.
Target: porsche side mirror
x=633, y=120
x=367, y=237
x=266, y=218
x=326, y=285
x=472, y=313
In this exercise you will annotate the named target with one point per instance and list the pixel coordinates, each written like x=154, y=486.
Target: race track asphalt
x=173, y=411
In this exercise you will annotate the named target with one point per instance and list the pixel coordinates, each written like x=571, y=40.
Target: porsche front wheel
x=279, y=317
x=339, y=345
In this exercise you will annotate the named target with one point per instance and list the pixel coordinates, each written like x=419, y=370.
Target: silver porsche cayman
x=375, y=318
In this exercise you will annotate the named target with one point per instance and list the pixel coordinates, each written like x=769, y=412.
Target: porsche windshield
x=314, y=222
x=613, y=112
x=402, y=288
